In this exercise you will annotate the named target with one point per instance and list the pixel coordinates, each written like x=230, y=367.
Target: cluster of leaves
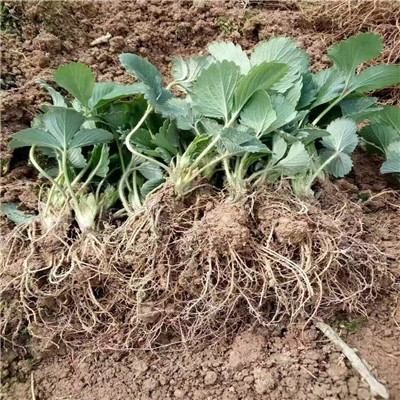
x=247, y=119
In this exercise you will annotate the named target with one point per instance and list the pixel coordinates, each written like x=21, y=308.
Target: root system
x=184, y=270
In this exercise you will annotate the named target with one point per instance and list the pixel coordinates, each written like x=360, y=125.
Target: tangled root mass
x=181, y=271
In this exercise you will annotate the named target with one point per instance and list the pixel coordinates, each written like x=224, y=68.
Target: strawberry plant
x=382, y=136
x=251, y=119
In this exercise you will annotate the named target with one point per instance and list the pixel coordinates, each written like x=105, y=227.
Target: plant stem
x=121, y=158
x=121, y=187
x=93, y=173
x=204, y=152
x=321, y=168
x=68, y=183
x=136, y=153
x=338, y=100
x=44, y=173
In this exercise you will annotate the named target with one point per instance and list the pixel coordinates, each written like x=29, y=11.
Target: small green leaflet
x=63, y=124
x=186, y=72
x=11, y=211
x=310, y=134
x=260, y=77
x=150, y=171
x=329, y=83
x=279, y=147
x=76, y=158
x=89, y=137
x=359, y=108
x=392, y=163
x=234, y=141
x=58, y=99
x=258, y=113
x=377, y=77
x=230, y=52
x=389, y=115
x=168, y=137
x=285, y=112
x=107, y=92
x=379, y=137
x=150, y=185
x=143, y=70
x=309, y=91
x=349, y=54
x=282, y=50
x=151, y=86
x=339, y=145
x=296, y=161
x=212, y=93
x=100, y=160
x=77, y=79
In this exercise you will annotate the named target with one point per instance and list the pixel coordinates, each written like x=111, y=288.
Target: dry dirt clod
x=102, y=39
x=246, y=348
x=210, y=378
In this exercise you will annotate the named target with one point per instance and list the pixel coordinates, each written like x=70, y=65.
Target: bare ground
x=281, y=363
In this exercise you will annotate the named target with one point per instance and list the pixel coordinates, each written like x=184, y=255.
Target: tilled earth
x=281, y=363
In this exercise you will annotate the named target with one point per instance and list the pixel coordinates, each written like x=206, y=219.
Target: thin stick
x=376, y=387
x=33, y=387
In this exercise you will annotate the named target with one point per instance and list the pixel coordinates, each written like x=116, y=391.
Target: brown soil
x=276, y=363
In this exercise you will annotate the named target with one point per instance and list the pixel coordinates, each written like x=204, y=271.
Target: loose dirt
x=276, y=363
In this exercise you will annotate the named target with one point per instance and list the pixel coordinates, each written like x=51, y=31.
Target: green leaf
x=89, y=137
x=258, y=113
x=106, y=92
x=377, y=77
x=150, y=171
x=143, y=138
x=309, y=91
x=143, y=70
x=198, y=144
x=76, y=158
x=212, y=93
x=349, y=54
x=150, y=185
x=235, y=141
x=168, y=137
x=343, y=137
x=30, y=137
x=285, y=112
x=340, y=166
x=230, y=52
x=260, y=77
x=58, y=99
x=63, y=123
x=296, y=161
x=379, y=137
x=339, y=145
x=329, y=83
x=392, y=165
x=100, y=159
x=390, y=115
x=282, y=50
x=186, y=72
x=359, y=108
x=11, y=211
x=279, y=147
x=77, y=79
x=309, y=135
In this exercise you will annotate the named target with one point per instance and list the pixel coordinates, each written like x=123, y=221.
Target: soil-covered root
x=179, y=271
